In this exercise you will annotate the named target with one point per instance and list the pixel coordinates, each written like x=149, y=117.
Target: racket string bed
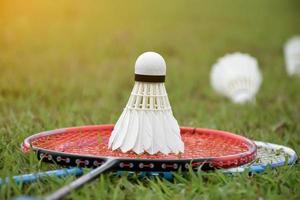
x=269, y=156
x=200, y=146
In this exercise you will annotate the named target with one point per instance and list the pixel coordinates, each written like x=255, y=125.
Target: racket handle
x=29, y=178
x=95, y=173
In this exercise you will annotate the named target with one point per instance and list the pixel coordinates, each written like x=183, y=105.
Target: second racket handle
x=29, y=178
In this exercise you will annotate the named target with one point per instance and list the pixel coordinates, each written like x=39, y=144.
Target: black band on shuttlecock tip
x=149, y=78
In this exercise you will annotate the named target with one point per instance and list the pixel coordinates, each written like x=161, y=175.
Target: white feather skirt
x=236, y=76
x=147, y=123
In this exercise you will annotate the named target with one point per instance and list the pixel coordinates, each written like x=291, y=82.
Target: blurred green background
x=69, y=63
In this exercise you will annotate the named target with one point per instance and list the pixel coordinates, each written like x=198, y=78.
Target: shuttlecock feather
x=147, y=123
x=292, y=56
x=236, y=76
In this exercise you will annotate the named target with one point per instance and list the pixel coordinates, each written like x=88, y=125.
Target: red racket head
x=87, y=146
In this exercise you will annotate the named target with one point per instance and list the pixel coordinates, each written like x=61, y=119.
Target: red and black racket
x=87, y=146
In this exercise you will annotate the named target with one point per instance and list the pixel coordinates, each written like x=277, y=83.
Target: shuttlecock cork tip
x=150, y=64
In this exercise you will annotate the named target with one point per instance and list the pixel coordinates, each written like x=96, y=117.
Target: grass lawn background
x=70, y=63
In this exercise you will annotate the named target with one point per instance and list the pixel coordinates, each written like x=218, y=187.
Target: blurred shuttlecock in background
x=292, y=55
x=236, y=76
x=147, y=123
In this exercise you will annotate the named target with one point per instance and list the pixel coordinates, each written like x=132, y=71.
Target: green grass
x=70, y=63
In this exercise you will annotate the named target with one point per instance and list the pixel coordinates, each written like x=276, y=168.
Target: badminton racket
x=268, y=155
x=87, y=146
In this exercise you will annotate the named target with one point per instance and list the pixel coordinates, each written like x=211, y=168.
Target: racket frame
x=140, y=164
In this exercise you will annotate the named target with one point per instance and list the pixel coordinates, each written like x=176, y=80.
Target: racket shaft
x=62, y=192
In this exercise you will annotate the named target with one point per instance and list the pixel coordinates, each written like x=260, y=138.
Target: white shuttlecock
x=236, y=76
x=147, y=123
x=292, y=56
